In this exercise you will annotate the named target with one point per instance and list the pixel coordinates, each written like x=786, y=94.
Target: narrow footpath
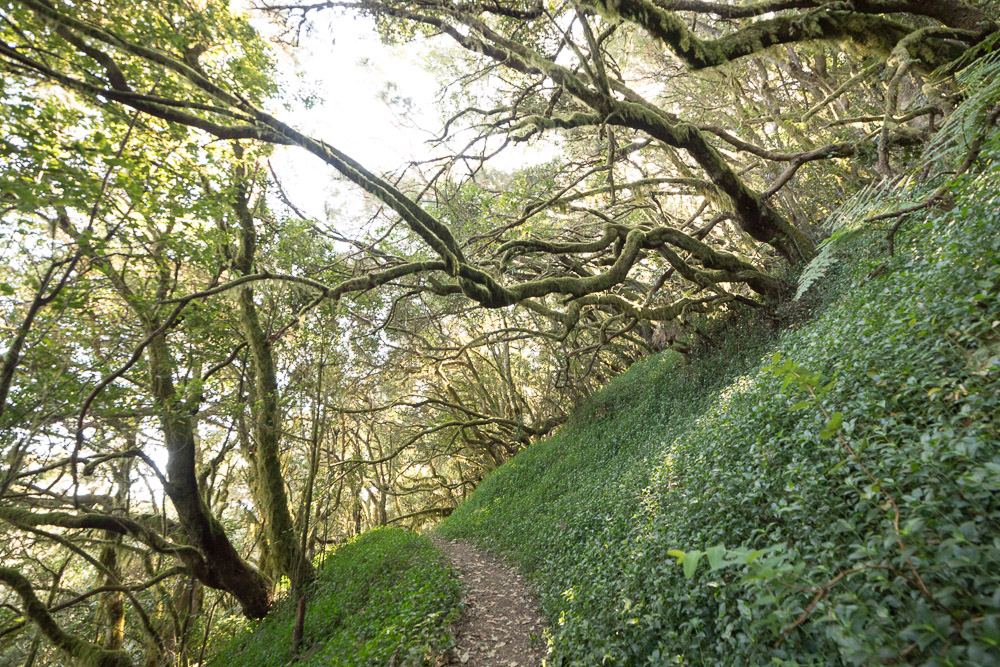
x=501, y=625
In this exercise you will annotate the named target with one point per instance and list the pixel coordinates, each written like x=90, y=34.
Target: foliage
x=386, y=597
x=980, y=79
x=698, y=514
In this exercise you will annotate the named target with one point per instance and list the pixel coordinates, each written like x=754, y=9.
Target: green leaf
x=716, y=556
x=836, y=467
x=691, y=562
x=832, y=426
x=801, y=405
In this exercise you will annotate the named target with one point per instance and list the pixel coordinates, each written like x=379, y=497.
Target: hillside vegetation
x=741, y=507
x=384, y=598
x=823, y=494
x=817, y=486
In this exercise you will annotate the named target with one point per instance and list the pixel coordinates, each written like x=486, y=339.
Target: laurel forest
x=227, y=383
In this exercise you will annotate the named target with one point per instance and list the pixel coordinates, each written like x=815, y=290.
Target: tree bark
x=272, y=501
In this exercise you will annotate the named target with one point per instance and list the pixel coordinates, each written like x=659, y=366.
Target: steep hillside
x=823, y=496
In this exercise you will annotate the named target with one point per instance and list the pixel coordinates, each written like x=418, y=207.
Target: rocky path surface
x=501, y=625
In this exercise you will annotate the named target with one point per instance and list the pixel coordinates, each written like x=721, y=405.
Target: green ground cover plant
x=386, y=597
x=826, y=496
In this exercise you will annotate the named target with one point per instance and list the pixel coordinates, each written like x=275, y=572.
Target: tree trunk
x=226, y=569
x=272, y=501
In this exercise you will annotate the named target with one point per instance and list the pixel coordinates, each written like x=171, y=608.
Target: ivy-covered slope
x=737, y=510
x=386, y=597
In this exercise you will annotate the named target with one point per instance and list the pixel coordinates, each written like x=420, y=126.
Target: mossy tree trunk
x=864, y=24
x=113, y=603
x=220, y=566
x=226, y=569
x=271, y=498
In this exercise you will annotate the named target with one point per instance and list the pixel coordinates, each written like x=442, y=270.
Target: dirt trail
x=501, y=625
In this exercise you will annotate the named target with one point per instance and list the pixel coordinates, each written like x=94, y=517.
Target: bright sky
x=347, y=66
x=343, y=61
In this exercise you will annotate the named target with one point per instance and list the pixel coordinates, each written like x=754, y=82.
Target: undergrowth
x=386, y=597
x=835, y=505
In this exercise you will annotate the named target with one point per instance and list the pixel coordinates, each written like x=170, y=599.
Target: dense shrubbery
x=750, y=484
x=386, y=597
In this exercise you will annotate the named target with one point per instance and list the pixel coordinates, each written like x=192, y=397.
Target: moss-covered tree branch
x=863, y=25
x=269, y=486
x=85, y=653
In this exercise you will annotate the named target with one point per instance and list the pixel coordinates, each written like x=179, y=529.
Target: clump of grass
x=386, y=597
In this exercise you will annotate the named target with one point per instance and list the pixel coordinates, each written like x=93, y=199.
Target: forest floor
x=500, y=625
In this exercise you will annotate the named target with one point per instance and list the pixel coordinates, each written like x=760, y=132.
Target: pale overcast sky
x=345, y=63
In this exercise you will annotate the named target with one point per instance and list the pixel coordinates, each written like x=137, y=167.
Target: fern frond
x=824, y=259
x=980, y=80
